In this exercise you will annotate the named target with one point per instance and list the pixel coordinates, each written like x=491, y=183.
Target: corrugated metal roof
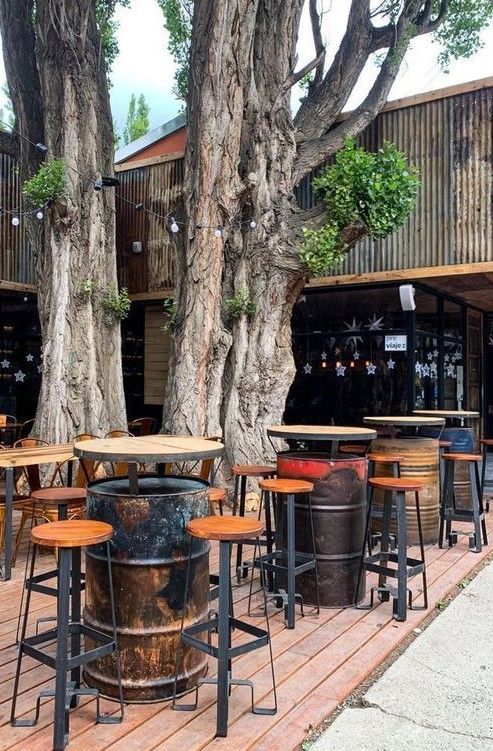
x=149, y=138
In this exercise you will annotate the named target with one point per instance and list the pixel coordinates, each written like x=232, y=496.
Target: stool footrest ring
x=189, y=636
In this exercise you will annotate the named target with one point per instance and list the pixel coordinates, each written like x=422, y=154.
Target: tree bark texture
x=82, y=387
x=245, y=155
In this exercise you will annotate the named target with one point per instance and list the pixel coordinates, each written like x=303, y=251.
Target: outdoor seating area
x=262, y=623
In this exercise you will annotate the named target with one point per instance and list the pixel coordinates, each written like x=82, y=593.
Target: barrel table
x=338, y=505
x=149, y=552
x=420, y=460
x=458, y=429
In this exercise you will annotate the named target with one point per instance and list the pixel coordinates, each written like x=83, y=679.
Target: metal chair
x=143, y=426
x=120, y=469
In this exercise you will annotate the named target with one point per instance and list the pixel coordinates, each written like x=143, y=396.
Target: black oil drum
x=339, y=515
x=149, y=552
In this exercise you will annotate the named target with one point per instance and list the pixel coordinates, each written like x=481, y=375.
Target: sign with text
x=395, y=343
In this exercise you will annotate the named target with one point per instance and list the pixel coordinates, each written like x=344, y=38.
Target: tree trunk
x=82, y=386
x=231, y=376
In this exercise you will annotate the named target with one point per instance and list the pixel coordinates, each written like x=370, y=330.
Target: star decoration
x=324, y=355
x=29, y=358
x=390, y=364
x=374, y=323
x=425, y=371
x=418, y=367
x=19, y=376
x=435, y=353
x=352, y=340
x=429, y=356
x=340, y=370
x=371, y=368
x=40, y=368
x=356, y=355
x=433, y=370
x=5, y=363
x=450, y=371
x=307, y=369
x=446, y=358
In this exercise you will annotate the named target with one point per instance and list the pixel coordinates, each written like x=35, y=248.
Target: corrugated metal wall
x=158, y=187
x=16, y=260
x=451, y=142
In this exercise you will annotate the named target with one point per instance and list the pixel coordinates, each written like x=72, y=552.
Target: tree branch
x=295, y=77
x=424, y=23
x=316, y=22
x=9, y=144
x=315, y=151
x=325, y=101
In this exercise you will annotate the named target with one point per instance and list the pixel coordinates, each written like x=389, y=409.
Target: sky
x=144, y=65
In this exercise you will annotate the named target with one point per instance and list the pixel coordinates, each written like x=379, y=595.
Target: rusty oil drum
x=339, y=515
x=149, y=552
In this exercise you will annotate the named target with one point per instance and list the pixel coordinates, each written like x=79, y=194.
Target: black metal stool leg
x=241, y=571
x=384, y=542
x=119, y=718
x=76, y=616
x=314, y=551
x=422, y=549
x=366, y=540
x=483, y=476
x=400, y=606
x=13, y=720
x=290, y=561
x=60, y=729
x=480, y=504
x=475, y=499
x=223, y=665
x=450, y=501
x=445, y=501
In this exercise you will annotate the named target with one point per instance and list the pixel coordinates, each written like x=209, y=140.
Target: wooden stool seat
x=445, y=444
x=59, y=496
x=486, y=441
x=396, y=483
x=350, y=449
x=76, y=533
x=462, y=457
x=225, y=528
x=383, y=458
x=253, y=470
x=217, y=495
x=286, y=486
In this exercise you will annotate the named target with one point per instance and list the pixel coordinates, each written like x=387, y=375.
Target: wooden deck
x=317, y=665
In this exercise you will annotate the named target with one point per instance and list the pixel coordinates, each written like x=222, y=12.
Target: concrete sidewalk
x=438, y=694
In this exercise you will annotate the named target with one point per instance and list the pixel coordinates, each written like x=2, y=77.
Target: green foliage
x=116, y=304
x=87, y=288
x=241, y=304
x=108, y=28
x=178, y=22
x=137, y=119
x=374, y=192
x=48, y=184
x=460, y=33
x=170, y=314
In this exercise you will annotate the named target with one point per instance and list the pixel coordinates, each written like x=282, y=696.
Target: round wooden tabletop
x=453, y=413
x=321, y=432
x=405, y=421
x=149, y=448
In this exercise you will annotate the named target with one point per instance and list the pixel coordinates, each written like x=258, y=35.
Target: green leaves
x=137, y=124
x=364, y=193
x=460, y=32
x=116, y=304
x=241, y=304
x=48, y=184
x=178, y=22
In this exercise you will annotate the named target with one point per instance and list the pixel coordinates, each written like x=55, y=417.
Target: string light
x=218, y=232
x=16, y=221
x=39, y=214
x=174, y=226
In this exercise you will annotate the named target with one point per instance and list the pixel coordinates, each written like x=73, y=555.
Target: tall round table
x=149, y=552
x=338, y=504
x=420, y=460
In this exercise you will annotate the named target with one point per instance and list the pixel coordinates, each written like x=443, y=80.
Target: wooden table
x=405, y=421
x=332, y=433
x=449, y=414
x=25, y=457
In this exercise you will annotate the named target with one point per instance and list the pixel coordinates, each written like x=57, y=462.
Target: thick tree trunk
x=231, y=376
x=82, y=387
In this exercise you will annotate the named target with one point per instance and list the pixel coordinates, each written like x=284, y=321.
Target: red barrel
x=339, y=514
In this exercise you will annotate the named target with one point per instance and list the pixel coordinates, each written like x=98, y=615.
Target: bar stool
x=394, y=461
x=225, y=529
x=216, y=496
x=448, y=510
x=286, y=560
x=406, y=567
x=52, y=504
x=358, y=449
x=68, y=537
x=485, y=442
x=241, y=473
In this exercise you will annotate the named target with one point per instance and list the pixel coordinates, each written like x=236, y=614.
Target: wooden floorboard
x=317, y=665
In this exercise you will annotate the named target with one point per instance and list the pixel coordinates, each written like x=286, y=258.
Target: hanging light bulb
x=253, y=224
x=42, y=148
x=39, y=214
x=173, y=226
x=16, y=221
x=218, y=232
